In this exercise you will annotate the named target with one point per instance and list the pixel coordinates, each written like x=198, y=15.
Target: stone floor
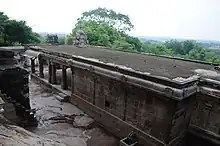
x=65, y=122
x=60, y=124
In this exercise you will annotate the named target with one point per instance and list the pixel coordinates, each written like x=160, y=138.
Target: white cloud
x=197, y=19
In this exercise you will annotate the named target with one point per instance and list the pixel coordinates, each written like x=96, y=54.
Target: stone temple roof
x=155, y=65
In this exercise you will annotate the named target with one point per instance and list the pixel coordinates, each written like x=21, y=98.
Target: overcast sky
x=195, y=19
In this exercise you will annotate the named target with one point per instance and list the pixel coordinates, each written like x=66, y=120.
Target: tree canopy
x=185, y=49
x=106, y=28
x=52, y=39
x=102, y=15
x=13, y=31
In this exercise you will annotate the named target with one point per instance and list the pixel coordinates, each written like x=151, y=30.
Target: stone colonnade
x=52, y=71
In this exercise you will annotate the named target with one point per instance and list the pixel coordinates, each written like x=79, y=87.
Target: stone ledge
x=205, y=134
x=210, y=91
x=63, y=96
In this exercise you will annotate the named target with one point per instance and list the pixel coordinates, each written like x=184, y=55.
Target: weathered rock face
x=14, y=135
x=6, y=57
x=14, y=84
x=80, y=39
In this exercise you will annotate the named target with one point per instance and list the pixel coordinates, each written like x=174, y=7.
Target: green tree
x=102, y=15
x=135, y=42
x=100, y=34
x=175, y=45
x=61, y=40
x=52, y=39
x=12, y=31
x=214, y=59
x=18, y=31
x=188, y=45
x=69, y=39
x=107, y=28
x=122, y=45
x=3, y=21
x=158, y=49
x=198, y=53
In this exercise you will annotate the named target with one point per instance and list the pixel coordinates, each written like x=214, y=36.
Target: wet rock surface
x=11, y=135
x=64, y=122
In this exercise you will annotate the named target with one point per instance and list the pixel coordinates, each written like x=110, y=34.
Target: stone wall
x=207, y=113
x=205, y=121
x=158, y=120
x=14, y=82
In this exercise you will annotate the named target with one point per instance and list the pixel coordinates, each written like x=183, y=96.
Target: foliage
x=102, y=15
x=3, y=22
x=175, y=46
x=61, y=40
x=43, y=39
x=197, y=53
x=15, y=32
x=158, y=49
x=189, y=45
x=69, y=39
x=100, y=34
x=122, y=45
x=185, y=49
x=52, y=39
x=135, y=42
x=107, y=28
x=181, y=48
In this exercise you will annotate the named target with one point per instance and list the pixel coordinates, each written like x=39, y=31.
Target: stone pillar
x=64, y=78
x=54, y=77
x=49, y=72
x=41, y=68
x=32, y=65
x=72, y=80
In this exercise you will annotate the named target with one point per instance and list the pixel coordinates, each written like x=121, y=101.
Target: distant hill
x=206, y=43
x=163, y=39
x=157, y=39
